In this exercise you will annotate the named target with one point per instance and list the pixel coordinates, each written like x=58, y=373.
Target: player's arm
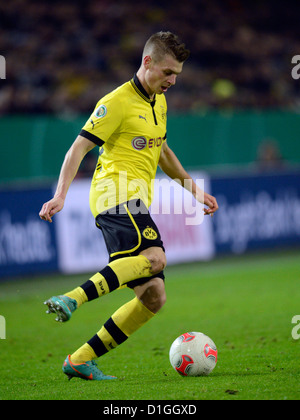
x=170, y=164
x=73, y=158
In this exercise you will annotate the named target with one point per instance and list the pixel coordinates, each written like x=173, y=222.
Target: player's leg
x=142, y=272
x=150, y=297
x=113, y=276
x=157, y=257
x=152, y=294
x=119, y=272
x=124, y=234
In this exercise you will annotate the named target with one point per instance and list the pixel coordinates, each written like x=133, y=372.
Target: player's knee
x=158, y=263
x=157, y=258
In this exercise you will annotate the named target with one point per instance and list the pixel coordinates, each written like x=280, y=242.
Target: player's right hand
x=50, y=208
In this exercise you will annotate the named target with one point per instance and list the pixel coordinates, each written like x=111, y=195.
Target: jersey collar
x=138, y=87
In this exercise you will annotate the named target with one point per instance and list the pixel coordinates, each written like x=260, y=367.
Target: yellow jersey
x=130, y=130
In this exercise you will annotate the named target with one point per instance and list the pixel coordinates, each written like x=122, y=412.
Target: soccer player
x=129, y=126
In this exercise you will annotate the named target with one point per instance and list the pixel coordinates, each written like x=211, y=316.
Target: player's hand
x=212, y=204
x=50, y=208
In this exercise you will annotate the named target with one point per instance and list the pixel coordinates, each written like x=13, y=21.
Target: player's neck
x=141, y=76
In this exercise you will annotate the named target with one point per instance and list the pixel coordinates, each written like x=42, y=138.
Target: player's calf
x=152, y=294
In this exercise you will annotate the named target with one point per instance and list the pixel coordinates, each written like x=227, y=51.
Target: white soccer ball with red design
x=193, y=354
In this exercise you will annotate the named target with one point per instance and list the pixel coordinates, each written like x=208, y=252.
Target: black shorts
x=128, y=229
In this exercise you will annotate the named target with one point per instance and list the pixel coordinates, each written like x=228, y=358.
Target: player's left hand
x=212, y=204
x=50, y=208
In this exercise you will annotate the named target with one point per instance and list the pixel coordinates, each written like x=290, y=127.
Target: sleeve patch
x=101, y=111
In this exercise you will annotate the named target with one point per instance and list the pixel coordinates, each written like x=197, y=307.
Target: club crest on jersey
x=101, y=111
x=149, y=233
x=139, y=143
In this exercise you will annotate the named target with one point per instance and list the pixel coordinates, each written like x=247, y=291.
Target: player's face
x=160, y=76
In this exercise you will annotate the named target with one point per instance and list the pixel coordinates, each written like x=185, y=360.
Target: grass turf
x=244, y=304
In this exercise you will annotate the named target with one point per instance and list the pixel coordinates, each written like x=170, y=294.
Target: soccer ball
x=193, y=354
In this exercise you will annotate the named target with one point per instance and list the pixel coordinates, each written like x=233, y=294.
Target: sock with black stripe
x=114, y=275
x=124, y=322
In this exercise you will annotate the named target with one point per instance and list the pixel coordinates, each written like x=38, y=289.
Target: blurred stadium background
x=233, y=121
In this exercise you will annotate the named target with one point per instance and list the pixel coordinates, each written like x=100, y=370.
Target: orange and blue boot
x=86, y=370
x=62, y=305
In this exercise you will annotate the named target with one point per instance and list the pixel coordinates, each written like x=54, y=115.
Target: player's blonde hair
x=163, y=43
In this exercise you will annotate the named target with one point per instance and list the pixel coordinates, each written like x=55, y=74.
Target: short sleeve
x=104, y=121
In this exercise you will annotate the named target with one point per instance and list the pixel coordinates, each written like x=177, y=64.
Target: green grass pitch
x=244, y=304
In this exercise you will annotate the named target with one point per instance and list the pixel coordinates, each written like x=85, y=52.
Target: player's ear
x=147, y=61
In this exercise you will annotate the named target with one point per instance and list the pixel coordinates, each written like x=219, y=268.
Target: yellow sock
x=131, y=268
x=124, y=322
x=115, y=275
x=79, y=295
x=131, y=316
x=83, y=354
